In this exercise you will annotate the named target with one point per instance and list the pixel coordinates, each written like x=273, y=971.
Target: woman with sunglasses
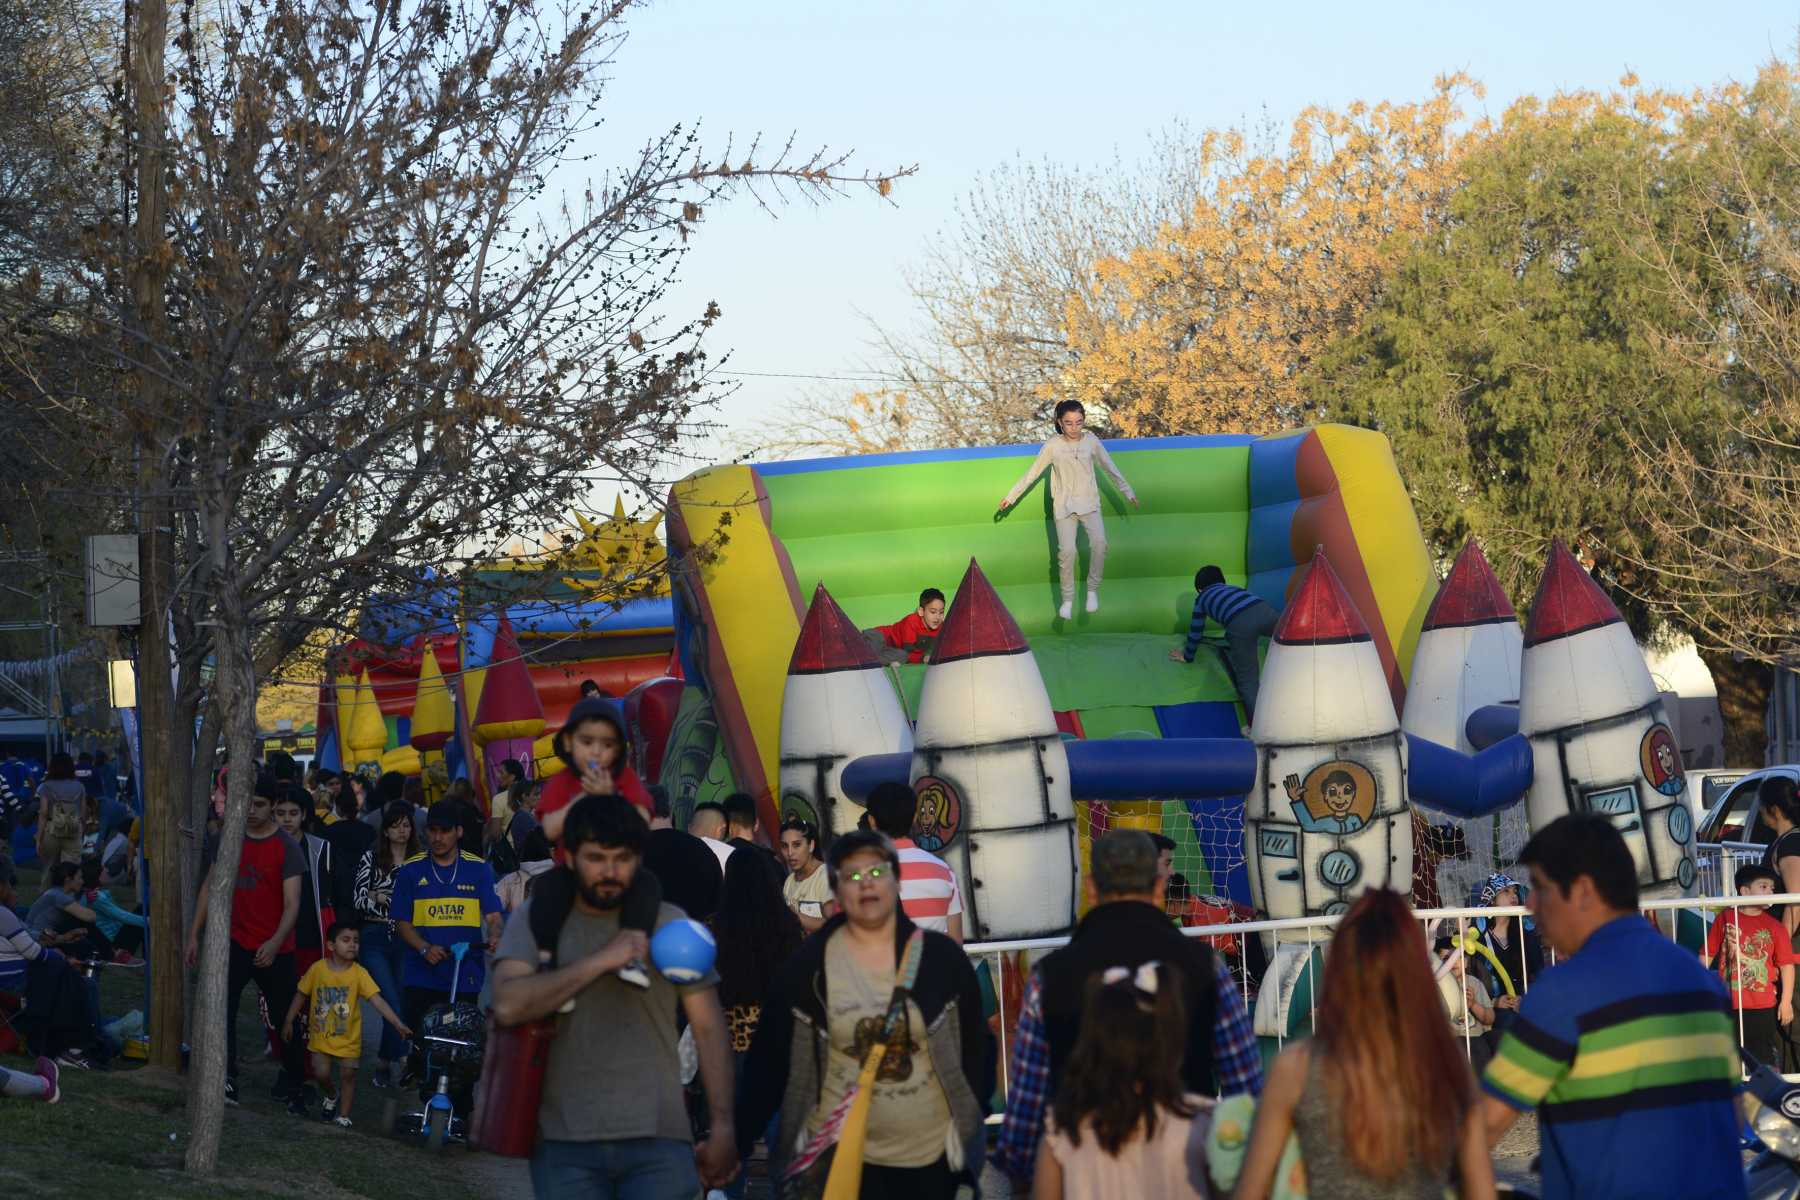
x=872, y=1046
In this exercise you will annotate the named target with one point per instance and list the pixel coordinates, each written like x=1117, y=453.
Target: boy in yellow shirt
x=335, y=986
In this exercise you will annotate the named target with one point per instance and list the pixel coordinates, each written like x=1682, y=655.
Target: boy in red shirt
x=916, y=633
x=1757, y=953
x=592, y=744
x=265, y=903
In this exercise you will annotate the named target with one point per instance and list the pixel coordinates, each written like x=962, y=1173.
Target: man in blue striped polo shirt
x=1246, y=619
x=1625, y=1048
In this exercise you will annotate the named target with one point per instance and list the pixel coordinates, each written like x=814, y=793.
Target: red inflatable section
x=1321, y=611
x=978, y=624
x=507, y=694
x=1568, y=601
x=1470, y=595
x=650, y=710
x=829, y=640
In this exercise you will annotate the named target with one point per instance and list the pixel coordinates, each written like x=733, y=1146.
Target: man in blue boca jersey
x=441, y=898
x=1246, y=619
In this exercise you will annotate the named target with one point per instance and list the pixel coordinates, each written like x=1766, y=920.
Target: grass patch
x=122, y=1133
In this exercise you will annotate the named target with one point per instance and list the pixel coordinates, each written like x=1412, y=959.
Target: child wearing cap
x=591, y=744
x=1752, y=951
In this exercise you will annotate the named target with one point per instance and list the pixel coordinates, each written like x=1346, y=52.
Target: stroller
x=447, y=1052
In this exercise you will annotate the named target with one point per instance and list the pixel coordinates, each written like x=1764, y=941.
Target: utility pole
x=147, y=28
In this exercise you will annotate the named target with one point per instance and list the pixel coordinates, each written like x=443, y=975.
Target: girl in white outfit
x=1075, y=495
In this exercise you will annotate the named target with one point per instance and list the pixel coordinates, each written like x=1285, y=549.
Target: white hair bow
x=1143, y=979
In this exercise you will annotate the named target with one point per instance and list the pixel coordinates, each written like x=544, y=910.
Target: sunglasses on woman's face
x=869, y=873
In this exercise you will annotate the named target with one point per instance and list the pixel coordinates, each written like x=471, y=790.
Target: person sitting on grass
x=39, y=1083
x=121, y=928
x=58, y=1019
x=59, y=918
x=334, y=988
x=912, y=637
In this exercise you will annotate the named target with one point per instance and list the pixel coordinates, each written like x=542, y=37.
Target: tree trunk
x=161, y=739
x=192, y=778
x=1744, y=688
x=235, y=693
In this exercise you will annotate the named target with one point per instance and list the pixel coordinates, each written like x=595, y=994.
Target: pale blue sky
x=958, y=88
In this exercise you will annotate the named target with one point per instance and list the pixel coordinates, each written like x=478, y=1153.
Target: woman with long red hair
x=1381, y=1096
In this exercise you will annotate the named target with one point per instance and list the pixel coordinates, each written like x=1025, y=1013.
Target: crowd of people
x=842, y=1028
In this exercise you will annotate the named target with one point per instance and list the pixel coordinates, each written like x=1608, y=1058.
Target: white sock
x=19, y=1085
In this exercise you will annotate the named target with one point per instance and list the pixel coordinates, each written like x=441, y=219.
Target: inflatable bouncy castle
x=1022, y=734
x=753, y=542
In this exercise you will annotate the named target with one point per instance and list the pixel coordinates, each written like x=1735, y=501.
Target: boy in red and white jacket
x=916, y=633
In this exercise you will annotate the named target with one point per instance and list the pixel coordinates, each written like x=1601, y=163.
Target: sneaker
x=231, y=1097
x=75, y=1060
x=1067, y=611
x=635, y=973
x=46, y=1070
x=297, y=1106
x=341, y=1122
x=384, y=1075
x=1093, y=604
x=328, y=1108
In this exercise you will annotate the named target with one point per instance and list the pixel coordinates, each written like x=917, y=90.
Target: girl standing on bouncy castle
x=1075, y=496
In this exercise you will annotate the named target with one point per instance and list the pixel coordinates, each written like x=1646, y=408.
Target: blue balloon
x=683, y=951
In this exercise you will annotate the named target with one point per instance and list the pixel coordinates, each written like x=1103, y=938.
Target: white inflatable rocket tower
x=991, y=773
x=1327, y=816
x=839, y=704
x=1467, y=658
x=1599, y=738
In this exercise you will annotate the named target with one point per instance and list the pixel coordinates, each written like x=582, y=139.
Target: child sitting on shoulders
x=592, y=745
x=911, y=638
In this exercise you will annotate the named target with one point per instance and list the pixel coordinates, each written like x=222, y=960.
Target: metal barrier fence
x=1718, y=864
x=1316, y=932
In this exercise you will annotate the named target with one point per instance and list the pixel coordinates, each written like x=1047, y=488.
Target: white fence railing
x=1718, y=864
x=1316, y=932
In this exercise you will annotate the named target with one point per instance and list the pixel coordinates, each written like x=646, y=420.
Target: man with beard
x=620, y=1129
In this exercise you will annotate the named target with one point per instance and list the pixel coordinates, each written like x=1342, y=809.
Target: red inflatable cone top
x=507, y=694
x=829, y=641
x=1321, y=611
x=1470, y=595
x=1568, y=601
x=978, y=623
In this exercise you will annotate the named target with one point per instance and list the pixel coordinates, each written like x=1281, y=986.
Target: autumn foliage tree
x=1215, y=322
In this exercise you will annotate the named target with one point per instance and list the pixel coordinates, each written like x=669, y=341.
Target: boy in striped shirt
x=929, y=895
x=1246, y=619
x=1625, y=1048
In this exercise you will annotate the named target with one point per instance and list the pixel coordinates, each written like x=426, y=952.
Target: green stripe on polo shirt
x=1643, y=1029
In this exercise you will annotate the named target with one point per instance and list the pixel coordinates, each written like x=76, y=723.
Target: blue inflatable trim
x=1112, y=769
x=1468, y=785
x=1489, y=725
